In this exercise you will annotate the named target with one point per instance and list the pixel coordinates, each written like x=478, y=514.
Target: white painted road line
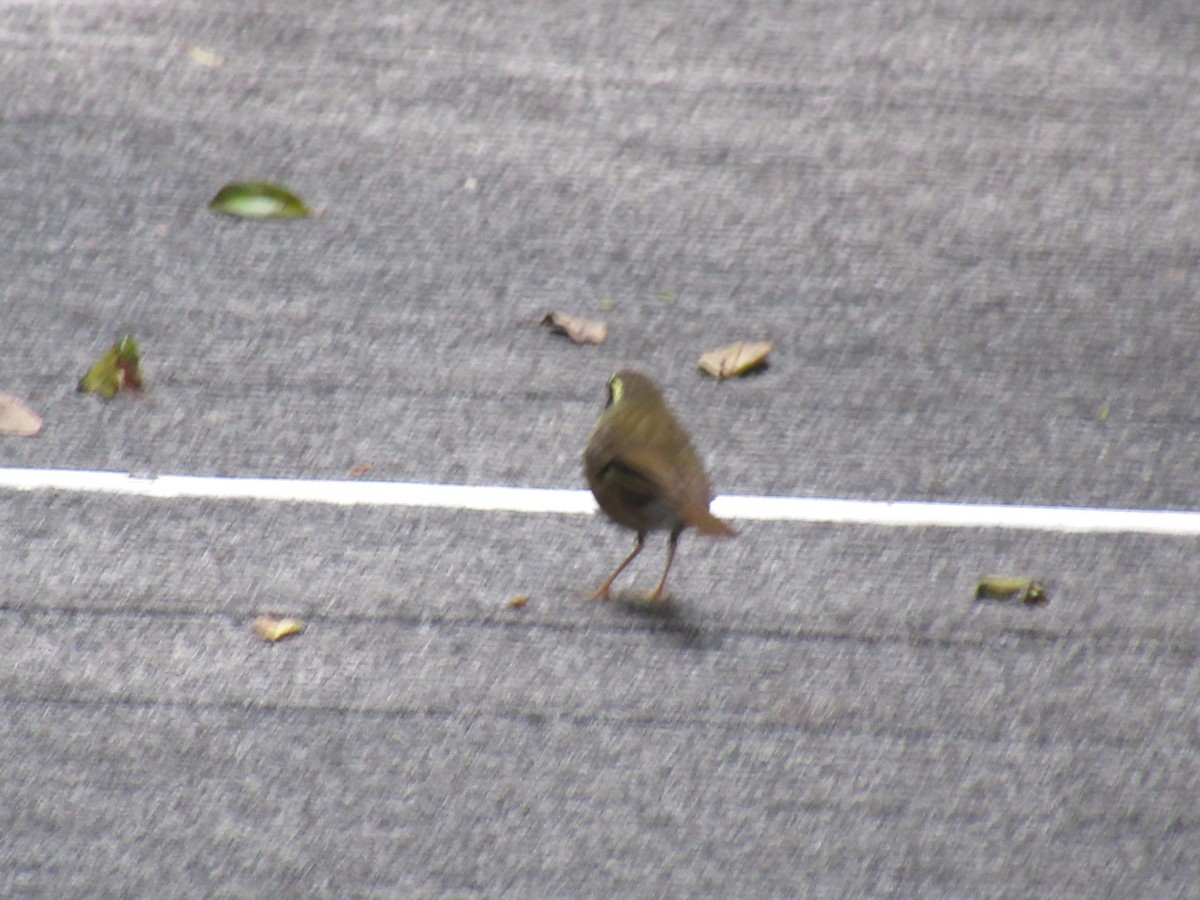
x=578, y=502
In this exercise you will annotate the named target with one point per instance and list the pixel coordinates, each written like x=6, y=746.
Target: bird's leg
x=658, y=591
x=602, y=591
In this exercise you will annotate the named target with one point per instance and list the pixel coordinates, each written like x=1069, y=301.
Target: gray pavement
x=970, y=230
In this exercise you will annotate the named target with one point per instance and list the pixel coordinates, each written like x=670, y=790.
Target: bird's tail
x=706, y=523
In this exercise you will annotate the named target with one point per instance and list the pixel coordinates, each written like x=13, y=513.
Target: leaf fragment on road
x=736, y=359
x=117, y=370
x=360, y=470
x=258, y=200
x=1006, y=587
x=519, y=602
x=272, y=629
x=581, y=331
x=205, y=57
x=17, y=418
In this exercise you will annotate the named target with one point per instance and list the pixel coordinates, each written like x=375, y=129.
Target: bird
x=645, y=473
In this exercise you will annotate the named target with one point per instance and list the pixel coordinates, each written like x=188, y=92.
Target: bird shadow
x=670, y=618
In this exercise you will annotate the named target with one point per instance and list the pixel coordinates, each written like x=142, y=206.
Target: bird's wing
x=632, y=478
x=656, y=477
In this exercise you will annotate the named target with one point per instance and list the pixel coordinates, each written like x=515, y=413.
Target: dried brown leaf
x=17, y=418
x=736, y=359
x=360, y=470
x=581, y=331
x=270, y=628
x=519, y=602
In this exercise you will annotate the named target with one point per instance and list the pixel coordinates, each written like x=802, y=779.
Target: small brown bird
x=644, y=472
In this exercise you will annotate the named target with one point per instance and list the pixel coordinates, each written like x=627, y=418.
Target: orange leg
x=658, y=591
x=602, y=591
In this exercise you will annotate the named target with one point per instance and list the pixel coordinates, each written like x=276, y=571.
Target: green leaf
x=1007, y=587
x=119, y=369
x=258, y=200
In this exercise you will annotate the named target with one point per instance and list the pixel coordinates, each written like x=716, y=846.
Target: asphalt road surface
x=970, y=230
